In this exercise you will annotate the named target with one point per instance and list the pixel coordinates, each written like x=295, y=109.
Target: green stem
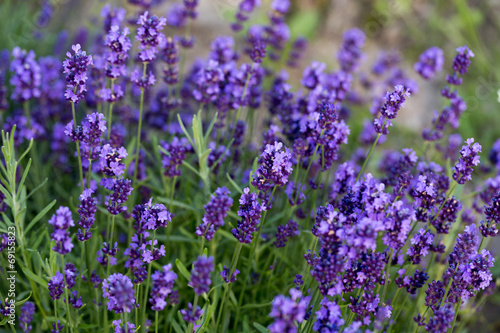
x=195, y=305
x=77, y=146
x=139, y=128
x=365, y=163
x=70, y=322
x=110, y=115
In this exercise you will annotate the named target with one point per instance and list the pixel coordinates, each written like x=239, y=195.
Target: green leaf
x=209, y=130
x=185, y=131
x=260, y=328
x=39, y=216
x=177, y=204
x=177, y=327
x=182, y=269
x=36, y=189
x=23, y=179
x=232, y=182
x=34, y=277
x=4, y=321
x=190, y=167
x=21, y=302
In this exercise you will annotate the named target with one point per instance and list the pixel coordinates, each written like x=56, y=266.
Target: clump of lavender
x=61, y=221
x=285, y=233
x=394, y=102
x=288, y=312
x=430, y=62
x=328, y=317
x=216, y=211
x=120, y=189
x=469, y=158
x=441, y=322
x=200, y=274
x=75, y=68
x=163, y=283
x=250, y=213
x=274, y=169
x=26, y=75
x=119, y=291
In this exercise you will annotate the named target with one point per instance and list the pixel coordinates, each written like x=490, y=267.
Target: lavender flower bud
x=200, y=274
x=75, y=68
x=119, y=291
x=216, y=211
x=469, y=158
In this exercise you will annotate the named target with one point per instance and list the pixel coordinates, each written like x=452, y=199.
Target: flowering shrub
x=213, y=197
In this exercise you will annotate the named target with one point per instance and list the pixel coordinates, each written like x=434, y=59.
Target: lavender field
x=256, y=166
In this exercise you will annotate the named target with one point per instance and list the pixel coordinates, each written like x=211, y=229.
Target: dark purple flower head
x=121, y=188
x=286, y=232
x=207, y=82
x=57, y=327
x=288, y=312
x=26, y=317
x=170, y=163
x=492, y=213
x=142, y=81
x=75, y=68
x=200, y=274
x=176, y=17
x=350, y=55
x=106, y=255
x=119, y=45
x=469, y=158
x=122, y=328
x=74, y=300
x=441, y=322
x=394, y=101
x=93, y=127
x=250, y=212
x=26, y=76
x=420, y=244
x=430, y=62
x=275, y=167
x=256, y=48
x=56, y=286
x=113, y=16
x=225, y=275
x=462, y=59
x=297, y=51
x=313, y=75
x=191, y=316
x=222, y=50
x=163, y=283
x=119, y=291
x=61, y=221
x=466, y=245
x=87, y=209
x=386, y=61
x=328, y=317
x=216, y=211
x=328, y=115
x=149, y=35
x=447, y=216
x=111, y=160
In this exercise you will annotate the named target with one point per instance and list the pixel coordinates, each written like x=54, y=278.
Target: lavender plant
x=223, y=196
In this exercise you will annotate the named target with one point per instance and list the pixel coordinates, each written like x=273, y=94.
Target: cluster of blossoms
x=119, y=291
x=216, y=211
x=26, y=75
x=75, y=68
x=250, y=213
x=62, y=221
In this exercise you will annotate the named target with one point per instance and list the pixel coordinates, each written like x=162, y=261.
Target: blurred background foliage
x=407, y=26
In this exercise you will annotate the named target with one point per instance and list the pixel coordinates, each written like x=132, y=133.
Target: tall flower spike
x=430, y=62
x=250, y=212
x=119, y=44
x=111, y=160
x=288, y=312
x=119, y=291
x=275, y=167
x=61, y=221
x=469, y=158
x=492, y=213
x=26, y=76
x=163, y=283
x=216, y=211
x=87, y=209
x=56, y=286
x=75, y=68
x=26, y=317
x=200, y=274
x=149, y=35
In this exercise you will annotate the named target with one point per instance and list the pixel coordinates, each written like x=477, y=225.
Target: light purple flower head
x=149, y=35
x=469, y=158
x=75, y=68
x=119, y=291
x=430, y=62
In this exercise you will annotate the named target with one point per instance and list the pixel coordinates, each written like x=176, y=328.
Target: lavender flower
x=149, y=36
x=123, y=328
x=61, y=221
x=110, y=160
x=56, y=286
x=75, y=68
x=189, y=316
x=119, y=291
x=462, y=59
x=492, y=212
x=288, y=312
x=469, y=158
x=245, y=8
x=74, y=300
x=113, y=16
x=170, y=163
x=350, y=55
x=57, y=327
x=207, y=82
x=163, y=283
x=26, y=76
x=121, y=188
x=119, y=45
x=285, y=233
x=421, y=243
x=441, y=322
x=328, y=318
x=250, y=212
x=87, y=209
x=430, y=62
x=257, y=44
x=106, y=255
x=394, y=101
x=200, y=274
x=275, y=167
x=216, y=211
x=26, y=317
x=465, y=247
x=225, y=274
